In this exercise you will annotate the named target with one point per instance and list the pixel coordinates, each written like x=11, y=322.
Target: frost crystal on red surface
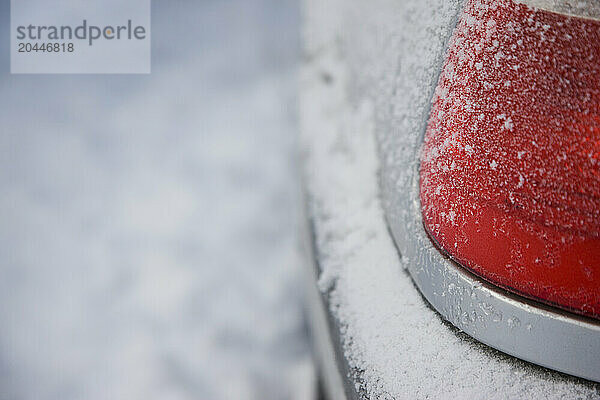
x=510, y=169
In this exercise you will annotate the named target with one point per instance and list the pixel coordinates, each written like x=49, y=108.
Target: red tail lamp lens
x=510, y=169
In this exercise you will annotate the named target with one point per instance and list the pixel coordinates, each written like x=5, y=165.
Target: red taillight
x=510, y=170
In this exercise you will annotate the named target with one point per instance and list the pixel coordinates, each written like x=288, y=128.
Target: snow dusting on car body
x=372, y=70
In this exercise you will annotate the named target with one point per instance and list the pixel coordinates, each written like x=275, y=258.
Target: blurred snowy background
x=147, y=223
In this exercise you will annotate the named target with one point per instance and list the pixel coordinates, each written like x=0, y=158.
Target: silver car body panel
x=579, y=8
x=514, y=325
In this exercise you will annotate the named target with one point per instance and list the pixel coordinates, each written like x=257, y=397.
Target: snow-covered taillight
x=510, y=169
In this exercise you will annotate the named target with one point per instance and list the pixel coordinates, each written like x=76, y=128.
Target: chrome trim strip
x=327, y=349
x=576, y=8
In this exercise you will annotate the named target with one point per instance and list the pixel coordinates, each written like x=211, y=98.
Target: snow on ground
x=147, y=242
